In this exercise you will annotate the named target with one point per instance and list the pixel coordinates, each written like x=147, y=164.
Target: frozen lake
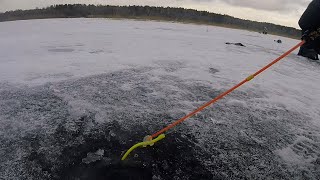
x=75, y=94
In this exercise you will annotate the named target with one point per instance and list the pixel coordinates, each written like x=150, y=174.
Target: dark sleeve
x=310, y=19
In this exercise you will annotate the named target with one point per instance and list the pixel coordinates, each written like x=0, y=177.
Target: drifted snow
x=67, y=83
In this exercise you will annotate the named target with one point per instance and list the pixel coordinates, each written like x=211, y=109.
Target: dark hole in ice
x=110, y=170
x=174, y=156
x=213, y=70
x=236, y=44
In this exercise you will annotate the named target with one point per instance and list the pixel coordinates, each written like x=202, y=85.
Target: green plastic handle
x=143, y=144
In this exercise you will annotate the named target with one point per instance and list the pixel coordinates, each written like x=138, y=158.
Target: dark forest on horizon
x=147, y=12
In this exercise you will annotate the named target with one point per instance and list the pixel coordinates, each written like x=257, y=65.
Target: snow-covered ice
x=73, y=88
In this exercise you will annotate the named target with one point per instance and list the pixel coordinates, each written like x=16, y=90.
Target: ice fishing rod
x=149, y=141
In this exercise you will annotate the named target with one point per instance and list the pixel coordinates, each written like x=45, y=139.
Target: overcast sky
x=284, y=12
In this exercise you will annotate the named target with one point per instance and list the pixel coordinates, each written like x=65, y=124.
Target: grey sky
x=270, y=5
x=284, y=12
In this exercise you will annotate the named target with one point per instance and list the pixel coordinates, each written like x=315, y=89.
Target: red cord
x=226, y=93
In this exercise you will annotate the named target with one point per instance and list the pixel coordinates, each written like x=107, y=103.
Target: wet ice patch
x=65, y=126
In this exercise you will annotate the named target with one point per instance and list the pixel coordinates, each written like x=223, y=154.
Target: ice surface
x=73, y=88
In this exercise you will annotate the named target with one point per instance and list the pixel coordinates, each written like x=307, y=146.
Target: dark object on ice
x=278, y=41
x=237, y=44
x=213, y=70
x=265, y=30
x=310, y=25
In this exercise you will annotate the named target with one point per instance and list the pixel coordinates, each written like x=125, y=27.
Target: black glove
x=311, y=35
x=312, y=39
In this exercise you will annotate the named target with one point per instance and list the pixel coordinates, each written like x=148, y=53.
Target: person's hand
x=311, y=35
x=312, y=39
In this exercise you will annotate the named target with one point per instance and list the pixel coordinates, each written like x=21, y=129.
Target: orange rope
x=227, y=92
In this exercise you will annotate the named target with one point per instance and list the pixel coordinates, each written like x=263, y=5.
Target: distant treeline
x=147, y=12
